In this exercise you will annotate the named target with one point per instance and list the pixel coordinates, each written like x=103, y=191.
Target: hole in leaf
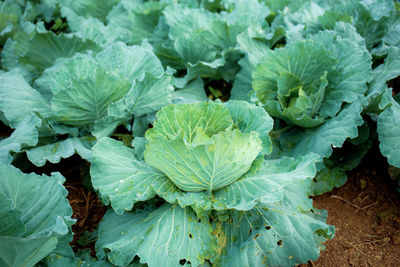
x=267, y=227
x=279, y=243
x=199, y=220
x=251, y=231
x=190, y=235
x=182, y=262
x=315, y=180
x=257, y=235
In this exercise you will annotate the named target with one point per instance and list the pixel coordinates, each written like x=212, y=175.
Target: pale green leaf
x=37, y=49
x=248, y=118
x=204, y=163
x=182, y=120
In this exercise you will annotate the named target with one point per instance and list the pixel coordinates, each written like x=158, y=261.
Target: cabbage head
x=198, y=148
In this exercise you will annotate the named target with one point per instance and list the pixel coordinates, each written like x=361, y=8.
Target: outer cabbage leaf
x=160, y=237
x=62, y=149
x=82, y=259
x=88, y=28
x=10, y=14
x=90, y=8
x=381, y=74
x=191, y=92
x=134, y=21
x=121, y=178
x=36, y=49
x=254, y=46
x=18, y=99
x=267, y=183
x=370, y=18
x=320, y=139
x=342, y=160
x=273, y=235
x=25, y=134
x=327, y=179
x=388, y=129
x=45, y=218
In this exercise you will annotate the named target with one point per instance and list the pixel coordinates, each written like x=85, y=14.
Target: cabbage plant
x=201, y=191
x=83, y=96
x=315, y=89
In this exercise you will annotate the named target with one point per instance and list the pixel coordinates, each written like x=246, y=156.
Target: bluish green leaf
x=121, y=178
x=160, y=237
x=46, y=217
x=26, y=134
x=10, y=14
x=18, y=99
x=273, y=235
x=56, y=151
x=389, y=133
x=320, y=140
x=327, y=179
x=381, y=74
x=267, y=184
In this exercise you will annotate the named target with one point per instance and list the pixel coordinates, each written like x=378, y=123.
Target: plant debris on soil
x=366, y=215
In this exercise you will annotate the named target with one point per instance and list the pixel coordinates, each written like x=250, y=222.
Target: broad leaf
x=160, y=237
x=18, y=99
x=26, y=134
x=56, y=151
x=389, y=133
x=45, y=217
x=121, y=178
x=273, y=235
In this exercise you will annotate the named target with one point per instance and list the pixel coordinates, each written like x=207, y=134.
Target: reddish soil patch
x=366, y=214
x=88, y=210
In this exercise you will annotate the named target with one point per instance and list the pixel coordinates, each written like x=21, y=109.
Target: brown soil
x=366, y=214
x=88, y=210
